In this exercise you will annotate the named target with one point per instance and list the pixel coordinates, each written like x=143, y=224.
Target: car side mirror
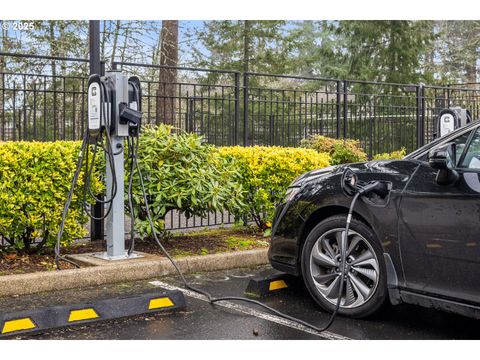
x=443, y=159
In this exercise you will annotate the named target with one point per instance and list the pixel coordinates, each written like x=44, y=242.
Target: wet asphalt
x=232, y=320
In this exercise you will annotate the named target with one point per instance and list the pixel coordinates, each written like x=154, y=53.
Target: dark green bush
x=182, y=172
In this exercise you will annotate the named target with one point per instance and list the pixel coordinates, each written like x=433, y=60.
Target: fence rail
x=46, y=99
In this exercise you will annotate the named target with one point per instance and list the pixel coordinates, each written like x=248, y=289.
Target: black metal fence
x=48, y=102
x=229, y=107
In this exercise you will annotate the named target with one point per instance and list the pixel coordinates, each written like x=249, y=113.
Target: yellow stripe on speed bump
x=160, y=303
x=18, y=325
x=277, y=285
x=82, y=314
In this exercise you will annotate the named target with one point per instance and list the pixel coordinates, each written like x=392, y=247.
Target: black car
x=419, y=244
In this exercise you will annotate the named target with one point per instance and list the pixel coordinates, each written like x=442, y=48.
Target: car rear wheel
x=364, y=289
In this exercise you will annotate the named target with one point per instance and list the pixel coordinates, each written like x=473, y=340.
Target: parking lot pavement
x=234, y=320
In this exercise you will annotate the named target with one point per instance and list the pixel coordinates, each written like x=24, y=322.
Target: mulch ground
x=193, y=243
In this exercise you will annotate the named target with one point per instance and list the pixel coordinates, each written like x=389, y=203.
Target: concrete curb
x=70, y=279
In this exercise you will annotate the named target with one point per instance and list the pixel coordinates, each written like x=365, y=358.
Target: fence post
x=272, y=130
x=97, y=229
x=191, y=118
x=339, y=115
x=245, y=109
x=236, y=115
x=345, y=108
x=420, y=113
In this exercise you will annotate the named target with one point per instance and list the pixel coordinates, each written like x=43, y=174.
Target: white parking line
x=252, y=312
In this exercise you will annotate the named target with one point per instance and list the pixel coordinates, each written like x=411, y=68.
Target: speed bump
x=269, y=285
x=83, y=313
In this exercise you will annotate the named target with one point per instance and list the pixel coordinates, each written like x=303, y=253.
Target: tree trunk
x=115, y=40
x=165, y=109
x=125, y=42
x=246, y=45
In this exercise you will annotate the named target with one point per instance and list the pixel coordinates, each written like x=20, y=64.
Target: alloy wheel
x=362, y=268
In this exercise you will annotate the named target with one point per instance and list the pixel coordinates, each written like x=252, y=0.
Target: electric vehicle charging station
x=450, y=119
x=120, y=105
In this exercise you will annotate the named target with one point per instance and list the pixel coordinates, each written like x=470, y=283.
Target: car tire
x=365, y=285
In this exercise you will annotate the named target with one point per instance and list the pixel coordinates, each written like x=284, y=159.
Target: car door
x=439, y=227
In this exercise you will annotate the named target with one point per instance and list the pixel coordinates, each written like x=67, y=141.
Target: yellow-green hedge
x=35, y=179
x=180, y=172
x=266, y=173
x=394, y=155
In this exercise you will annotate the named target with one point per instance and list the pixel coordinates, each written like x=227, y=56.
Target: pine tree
x=458, y=48
x=243, y=45
x=389, y=51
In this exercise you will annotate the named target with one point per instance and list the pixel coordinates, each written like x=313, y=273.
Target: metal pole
x=97, y=229
x=420, y=114
x=237, y=100
x=245, y=109
x=345, y=108
x=94, y=46
x=115, y=221
x=339, y=100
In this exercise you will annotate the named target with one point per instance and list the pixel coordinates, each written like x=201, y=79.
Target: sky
x=147, y=38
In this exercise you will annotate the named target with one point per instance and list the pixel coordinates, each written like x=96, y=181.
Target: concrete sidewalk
x=126, y=270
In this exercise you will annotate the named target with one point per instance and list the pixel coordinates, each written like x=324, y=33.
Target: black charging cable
x=132, y=149
x=58, y=256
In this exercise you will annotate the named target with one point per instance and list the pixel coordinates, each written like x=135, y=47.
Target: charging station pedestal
x=115, y=221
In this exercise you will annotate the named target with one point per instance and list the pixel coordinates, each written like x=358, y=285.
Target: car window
x=460, y=142
x=471, y=159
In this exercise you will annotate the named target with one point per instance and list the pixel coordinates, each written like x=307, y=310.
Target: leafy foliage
x=266, y=173
x=394, y=155
x=182, y=172
x=342, y=151
x=34, y=182
x=384, y=50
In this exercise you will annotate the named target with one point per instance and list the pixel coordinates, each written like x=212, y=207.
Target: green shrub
x=266, y=173
x=35, y=180
x=394, y=155
x=342, y=151
x=182, y=172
